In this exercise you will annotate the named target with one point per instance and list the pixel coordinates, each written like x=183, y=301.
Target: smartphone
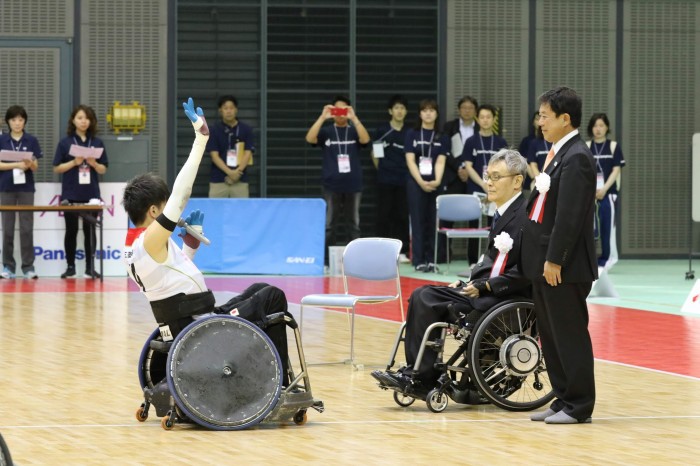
x=337, y=111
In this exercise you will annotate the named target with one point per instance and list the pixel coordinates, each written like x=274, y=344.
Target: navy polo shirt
x=333, y=142
x=478, y=150
x=606, y=160
x=392, y=168
x=537, y=152
x=224, y=137
x=27, y=143
x=426, y=143
x=71, y=189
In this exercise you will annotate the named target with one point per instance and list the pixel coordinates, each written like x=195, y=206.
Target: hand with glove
x=196, y=117
x=476, y=288
x=195, y=220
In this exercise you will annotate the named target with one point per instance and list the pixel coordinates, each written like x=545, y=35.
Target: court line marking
x=361, y=421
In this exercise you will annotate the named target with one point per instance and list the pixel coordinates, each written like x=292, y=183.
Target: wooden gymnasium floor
x=69, y=390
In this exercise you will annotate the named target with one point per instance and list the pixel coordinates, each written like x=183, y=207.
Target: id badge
x=425, y=166
x=599, y=181
x=18, y=176
x=232, y=158
x=343, y=163
x=378, y=149
x=483, y=172
x=83, y=174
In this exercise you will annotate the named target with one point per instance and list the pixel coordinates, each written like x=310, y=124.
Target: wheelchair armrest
x=160, y=346
x=277, y=318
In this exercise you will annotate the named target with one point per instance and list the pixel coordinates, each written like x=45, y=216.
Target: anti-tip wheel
x=403, y=400
x=436, y=401
x=166, y=423
x=141, y=414
x=300, y=418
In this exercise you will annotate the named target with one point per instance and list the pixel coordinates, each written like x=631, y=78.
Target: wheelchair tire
x=403, y=400
x=505, y=358
x=436, y=400
x=151, y=363
x=5, y=458
x=224, y=373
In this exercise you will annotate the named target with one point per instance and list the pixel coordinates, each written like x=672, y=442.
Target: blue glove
x=195, y=220
x=190, y=111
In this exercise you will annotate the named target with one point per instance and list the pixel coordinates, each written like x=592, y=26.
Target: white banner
x=49, y=231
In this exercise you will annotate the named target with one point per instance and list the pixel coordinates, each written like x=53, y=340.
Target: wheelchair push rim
x=506, y=361
x=224, y=373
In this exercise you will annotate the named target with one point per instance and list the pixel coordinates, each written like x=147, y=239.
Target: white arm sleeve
x=189, y=252
x=183, y=183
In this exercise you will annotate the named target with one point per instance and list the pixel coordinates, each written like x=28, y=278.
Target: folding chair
x=366, y=261
x=458, y=208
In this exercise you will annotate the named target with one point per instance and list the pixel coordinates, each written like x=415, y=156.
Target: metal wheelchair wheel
x=403, y=400
x=5, y=458
x=505, y=358
x=224, y=373
x=151, y=363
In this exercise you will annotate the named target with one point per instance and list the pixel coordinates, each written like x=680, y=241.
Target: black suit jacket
x=512, y=280
x=452, y=163
x=565, y=236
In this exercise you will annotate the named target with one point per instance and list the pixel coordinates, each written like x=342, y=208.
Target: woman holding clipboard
x=19, y=152
x=80, y=157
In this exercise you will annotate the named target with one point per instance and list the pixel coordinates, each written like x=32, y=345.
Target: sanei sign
x=49, y=232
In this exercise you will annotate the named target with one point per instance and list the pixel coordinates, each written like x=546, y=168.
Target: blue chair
x=366, y=261
x=458, y=208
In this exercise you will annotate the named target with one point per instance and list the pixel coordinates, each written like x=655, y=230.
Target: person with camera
x=340, y=145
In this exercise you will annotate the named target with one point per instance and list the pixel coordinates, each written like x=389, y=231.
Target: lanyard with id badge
x=343, y=156
x=18, y=175
x=378, y=146
x=600, y=176
x=88, y=152
x=485, y=167
x=425, y=164
x=234, y=150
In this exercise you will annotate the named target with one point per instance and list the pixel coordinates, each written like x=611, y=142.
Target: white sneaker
x=31, y=275
x=7, y=273
x=403, y=259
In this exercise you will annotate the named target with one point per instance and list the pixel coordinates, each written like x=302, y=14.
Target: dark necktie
x=496, y=216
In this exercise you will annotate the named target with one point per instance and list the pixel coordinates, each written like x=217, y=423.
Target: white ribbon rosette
x=542, y=183
x=504, y=243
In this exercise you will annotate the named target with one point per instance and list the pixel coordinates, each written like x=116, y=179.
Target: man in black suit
x=558, y=256
x=492, y=280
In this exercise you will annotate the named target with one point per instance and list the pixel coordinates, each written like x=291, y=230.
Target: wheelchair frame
x=288, y=403
x=500, y=357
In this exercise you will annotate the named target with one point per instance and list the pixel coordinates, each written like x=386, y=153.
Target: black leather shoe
x=69, y=273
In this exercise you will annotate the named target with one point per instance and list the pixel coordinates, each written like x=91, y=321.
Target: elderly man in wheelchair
x=224, y=367
x=491, y=317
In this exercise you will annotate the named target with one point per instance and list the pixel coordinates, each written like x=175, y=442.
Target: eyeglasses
x=496, y=177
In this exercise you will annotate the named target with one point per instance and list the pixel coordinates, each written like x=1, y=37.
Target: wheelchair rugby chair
x=219, y=371
x=498, y=360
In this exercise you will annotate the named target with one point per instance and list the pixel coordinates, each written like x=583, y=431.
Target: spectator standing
x=80, y=157
x=17, y=188
x=340, y=145
x=231, y=148
x=390, y=161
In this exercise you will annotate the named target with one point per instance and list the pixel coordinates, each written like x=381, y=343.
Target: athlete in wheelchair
x=224, y=367
x=498, y=358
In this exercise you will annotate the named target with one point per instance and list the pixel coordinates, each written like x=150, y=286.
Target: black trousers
x=392, y=214
x=70, y=241
x=562, y=319
x=254, y=304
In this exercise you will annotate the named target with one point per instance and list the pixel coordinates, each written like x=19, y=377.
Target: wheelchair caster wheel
x=436, y=401
x=300, y=418
x=167, y=423
x=141, y=414
x=403, y=400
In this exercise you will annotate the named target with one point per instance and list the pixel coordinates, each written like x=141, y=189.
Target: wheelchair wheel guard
x=224, y=373
x=505, y=358
x=151, y=363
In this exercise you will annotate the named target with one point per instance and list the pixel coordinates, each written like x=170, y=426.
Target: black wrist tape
x=166, y=223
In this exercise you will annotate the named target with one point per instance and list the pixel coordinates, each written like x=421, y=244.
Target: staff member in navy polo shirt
x=609, y=162
x=426, y=149
x=342, y=172
x=390, y=161
x=79, y=183
x=17, y=188
x=228, y=177
x=476, y=154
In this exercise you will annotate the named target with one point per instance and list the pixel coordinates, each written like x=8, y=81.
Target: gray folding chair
x=458, y=208
x=365, y=261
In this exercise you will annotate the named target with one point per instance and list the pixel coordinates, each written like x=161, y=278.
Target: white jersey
x=177, y=274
